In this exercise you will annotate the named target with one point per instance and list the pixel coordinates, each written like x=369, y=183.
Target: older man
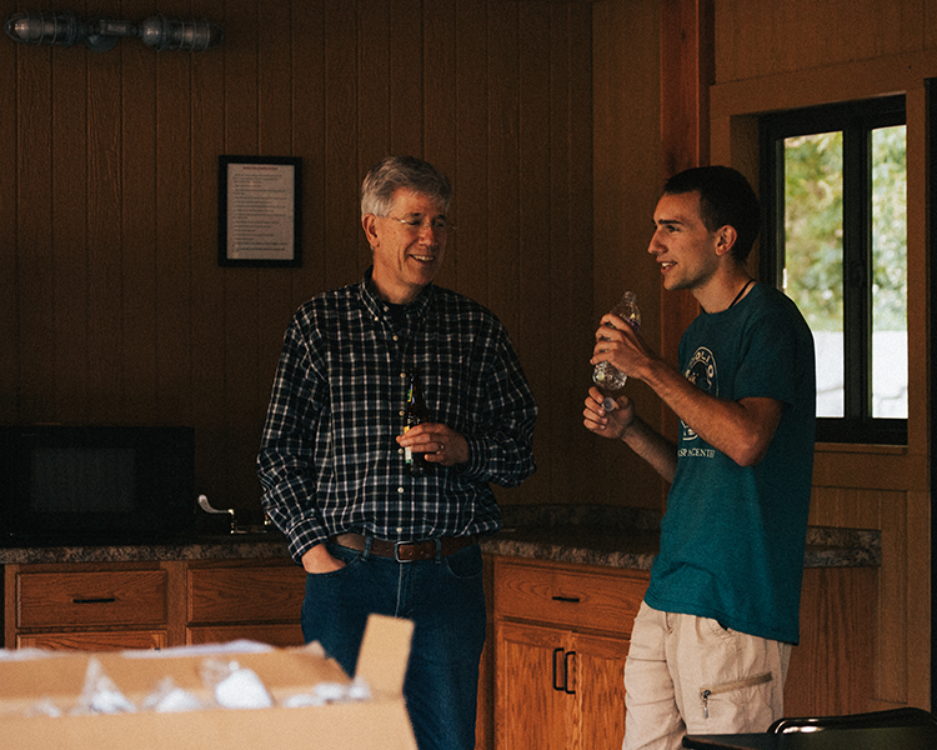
x=374, y=536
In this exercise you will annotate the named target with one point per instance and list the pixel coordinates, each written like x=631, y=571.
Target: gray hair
x=395, y=172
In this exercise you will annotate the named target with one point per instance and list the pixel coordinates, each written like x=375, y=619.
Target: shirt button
x=400, y=529
x=395, y=338
x=400, y=490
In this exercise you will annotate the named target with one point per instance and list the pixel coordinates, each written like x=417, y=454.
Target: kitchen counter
x=630, y=538
x=591, y=535
x=826, y=547
x=254, y=546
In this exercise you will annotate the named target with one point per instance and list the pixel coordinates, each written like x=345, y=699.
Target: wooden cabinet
x=87, y=606
x=259, y=600
x=121, y=605
x=561, y=638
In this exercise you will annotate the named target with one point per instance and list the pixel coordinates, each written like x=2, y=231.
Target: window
x=834, y=188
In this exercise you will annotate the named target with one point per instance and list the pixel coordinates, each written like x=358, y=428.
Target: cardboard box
x=380, y=721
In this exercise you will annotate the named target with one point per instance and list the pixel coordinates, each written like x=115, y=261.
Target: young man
x=373, y=536
x=711, y=643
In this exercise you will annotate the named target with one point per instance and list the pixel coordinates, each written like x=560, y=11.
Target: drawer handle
x=567, y=657
x=101, y=600
x=566, y=670
x=556, y=672
x=570, y=599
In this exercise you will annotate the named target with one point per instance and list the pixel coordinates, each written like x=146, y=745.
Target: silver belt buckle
x=397, y=546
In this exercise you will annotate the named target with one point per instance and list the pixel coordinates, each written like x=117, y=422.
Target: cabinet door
x=533, y=708
x=600, y=690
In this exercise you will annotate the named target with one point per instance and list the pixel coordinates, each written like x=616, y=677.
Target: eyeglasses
x=417, y=225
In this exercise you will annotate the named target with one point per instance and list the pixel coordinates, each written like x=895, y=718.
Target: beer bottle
x=416, y=414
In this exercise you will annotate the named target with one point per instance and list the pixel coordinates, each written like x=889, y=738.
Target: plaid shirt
x=329, y=461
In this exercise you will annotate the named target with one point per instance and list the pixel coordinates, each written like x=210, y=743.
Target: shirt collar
x=414, y=311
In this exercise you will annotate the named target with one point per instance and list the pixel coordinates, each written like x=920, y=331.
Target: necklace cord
x=741, y=292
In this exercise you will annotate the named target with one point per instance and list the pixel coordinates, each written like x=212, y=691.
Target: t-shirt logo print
x=701, y=371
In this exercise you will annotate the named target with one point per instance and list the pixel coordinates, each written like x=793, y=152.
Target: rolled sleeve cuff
x=303, y=537
x=477, y=465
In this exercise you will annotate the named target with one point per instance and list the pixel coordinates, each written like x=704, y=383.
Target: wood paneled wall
x=112, y=306
x=761, y=38
x=627, y=145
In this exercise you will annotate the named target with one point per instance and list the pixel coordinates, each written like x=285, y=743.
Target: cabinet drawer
x=279, y=635
x=563, y=595
x=111, y=640
x=129, y=597
x=268, y=593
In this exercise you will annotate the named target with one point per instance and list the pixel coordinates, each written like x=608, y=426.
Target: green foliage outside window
x=814, y=228
x=889, y=222
x=813, y=245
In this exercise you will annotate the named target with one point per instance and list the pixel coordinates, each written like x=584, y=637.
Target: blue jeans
x=444, y=598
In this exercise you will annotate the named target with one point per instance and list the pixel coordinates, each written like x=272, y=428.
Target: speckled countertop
x=593, y=535
x=258, y=546
x=629, y=538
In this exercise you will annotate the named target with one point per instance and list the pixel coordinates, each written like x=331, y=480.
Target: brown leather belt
x=406, y=551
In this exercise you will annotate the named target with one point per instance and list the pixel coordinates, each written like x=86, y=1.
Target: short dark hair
x=726, y=198
x=394, y=172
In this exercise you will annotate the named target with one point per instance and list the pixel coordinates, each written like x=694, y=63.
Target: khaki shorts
x=689, y=675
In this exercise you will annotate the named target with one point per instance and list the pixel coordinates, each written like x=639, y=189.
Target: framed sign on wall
x=259, y=218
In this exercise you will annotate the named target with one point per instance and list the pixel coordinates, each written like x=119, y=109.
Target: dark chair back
x=896, y=717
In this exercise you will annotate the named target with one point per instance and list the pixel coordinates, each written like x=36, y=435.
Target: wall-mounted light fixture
x=101, y=34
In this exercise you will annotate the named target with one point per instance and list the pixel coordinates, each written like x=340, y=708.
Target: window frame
x=856, y=120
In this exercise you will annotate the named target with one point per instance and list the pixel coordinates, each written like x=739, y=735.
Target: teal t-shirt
x=733, y=538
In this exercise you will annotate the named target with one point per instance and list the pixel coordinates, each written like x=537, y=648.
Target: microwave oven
x=75, y=485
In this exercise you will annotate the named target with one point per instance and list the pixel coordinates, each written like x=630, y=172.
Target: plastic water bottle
x=606, y=376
